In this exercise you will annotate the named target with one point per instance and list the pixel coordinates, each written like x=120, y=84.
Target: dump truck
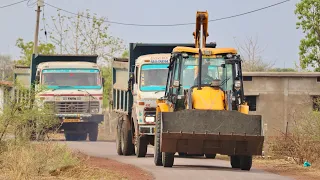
x=204, y=110
x=137, y=82
x=73, y=86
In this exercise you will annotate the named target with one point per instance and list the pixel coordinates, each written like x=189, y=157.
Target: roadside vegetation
x=23, y=152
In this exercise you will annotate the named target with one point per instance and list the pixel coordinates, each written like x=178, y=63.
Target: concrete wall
x=281, y=99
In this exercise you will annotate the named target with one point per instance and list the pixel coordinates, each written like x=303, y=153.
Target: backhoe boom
x=201, y=20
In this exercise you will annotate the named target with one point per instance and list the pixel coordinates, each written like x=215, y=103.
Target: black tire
x=82, y=136
x=93, y=133
x=141, y=147
x=157, y=153
x=235, y=161
x=245, y=163
x=70, y=137
x=210, y=156
x=126, y=139
x=167, y=159
x=118, y=138
x=181, y=154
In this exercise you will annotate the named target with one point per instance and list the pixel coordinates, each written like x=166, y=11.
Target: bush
x=23, y=117
x=303, y=142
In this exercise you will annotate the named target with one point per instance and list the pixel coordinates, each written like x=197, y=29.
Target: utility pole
x=36, y=33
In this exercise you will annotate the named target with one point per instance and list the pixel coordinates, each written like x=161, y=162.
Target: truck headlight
x=94, y=110
x=150, y=119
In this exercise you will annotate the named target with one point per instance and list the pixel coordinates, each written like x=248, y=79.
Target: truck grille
x=149, y=111
x=73, y=107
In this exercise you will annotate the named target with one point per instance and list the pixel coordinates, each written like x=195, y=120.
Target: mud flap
x=209, y=132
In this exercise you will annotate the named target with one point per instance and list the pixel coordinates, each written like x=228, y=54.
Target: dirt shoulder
x=126, y=171
x=284, y=168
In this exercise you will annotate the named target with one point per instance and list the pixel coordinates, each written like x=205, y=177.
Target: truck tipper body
x=137, y=83
x=74, y=88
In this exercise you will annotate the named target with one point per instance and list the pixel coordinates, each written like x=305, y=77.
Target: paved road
x=184, y=168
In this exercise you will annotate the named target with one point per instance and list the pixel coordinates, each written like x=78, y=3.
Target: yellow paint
x=244, y=108
x=160, y=101
x=163, y=107
x=71, y=120
x=214, y=51
x=208, y=98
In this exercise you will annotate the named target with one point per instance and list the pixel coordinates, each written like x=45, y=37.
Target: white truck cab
x=150, y=77
x=75, y=89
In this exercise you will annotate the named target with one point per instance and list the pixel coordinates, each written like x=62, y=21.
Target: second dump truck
x=137, y=83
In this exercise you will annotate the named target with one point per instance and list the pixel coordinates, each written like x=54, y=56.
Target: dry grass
x=46, y=161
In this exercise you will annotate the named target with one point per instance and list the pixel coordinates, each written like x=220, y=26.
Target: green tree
x=125, y=54
x=84, y=34
x=6, y=67
x=27, y=50
x=282, y=70
x=308, y=13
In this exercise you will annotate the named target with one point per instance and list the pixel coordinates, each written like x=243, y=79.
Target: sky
x=274, y=28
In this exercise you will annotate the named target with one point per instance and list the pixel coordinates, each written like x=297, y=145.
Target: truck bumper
x=147, y=129
x=71, y=118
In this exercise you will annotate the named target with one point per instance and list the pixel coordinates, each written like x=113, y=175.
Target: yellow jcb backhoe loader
x=203, y=110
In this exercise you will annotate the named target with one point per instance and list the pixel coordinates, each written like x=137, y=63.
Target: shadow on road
x=212, y=168
x=63, y=140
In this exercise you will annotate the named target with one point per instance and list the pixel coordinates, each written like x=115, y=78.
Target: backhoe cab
x=203, y=110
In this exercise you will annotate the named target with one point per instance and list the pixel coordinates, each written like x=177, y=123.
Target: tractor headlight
x=150, y=119
x=237, y=84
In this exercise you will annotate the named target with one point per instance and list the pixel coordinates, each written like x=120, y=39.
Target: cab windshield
x=153, y=77
x=71, y=78
x=211, y=69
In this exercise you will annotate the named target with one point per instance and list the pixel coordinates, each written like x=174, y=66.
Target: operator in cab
x=205, y=78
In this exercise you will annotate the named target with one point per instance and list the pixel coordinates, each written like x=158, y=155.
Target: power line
x=31, y=4
x=12, y=4
x=178, y=24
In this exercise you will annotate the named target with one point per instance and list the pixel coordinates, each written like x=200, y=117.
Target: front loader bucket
x=211, y=132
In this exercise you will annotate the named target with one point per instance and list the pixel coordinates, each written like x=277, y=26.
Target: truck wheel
x=235, y=161
x=118, y=139
x=210, y=156
x=141, y=146
x=156, y=147
x=70, y=137
x=245, y=162
x=82, y=136
x=126, y=139
x=167, y=159
x=93, y=133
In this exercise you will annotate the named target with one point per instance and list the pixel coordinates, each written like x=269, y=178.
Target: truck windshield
x=71, y=78
x=153, y=77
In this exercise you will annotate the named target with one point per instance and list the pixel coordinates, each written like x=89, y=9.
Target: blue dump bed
x=122, y=99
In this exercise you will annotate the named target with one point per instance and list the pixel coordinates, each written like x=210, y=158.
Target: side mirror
x=131, y=81
x=103, y=81
x=37, y=78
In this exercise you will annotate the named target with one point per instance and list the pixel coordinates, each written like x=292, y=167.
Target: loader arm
x=201, y=20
